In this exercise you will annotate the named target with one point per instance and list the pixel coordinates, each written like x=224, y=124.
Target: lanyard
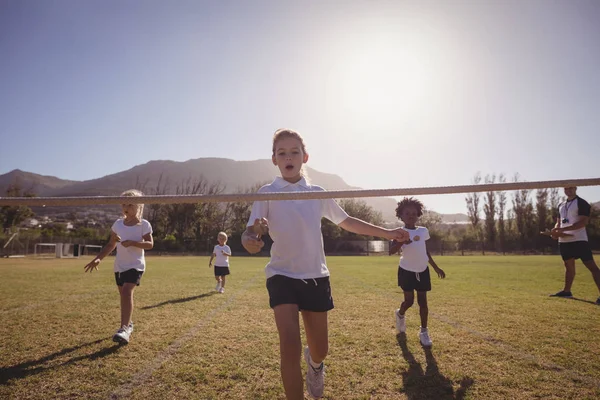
x=567, y=205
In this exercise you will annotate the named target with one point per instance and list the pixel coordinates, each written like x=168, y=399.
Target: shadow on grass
x=430, y=384
x=584, y=300
x=181, y=300
x=34, y=367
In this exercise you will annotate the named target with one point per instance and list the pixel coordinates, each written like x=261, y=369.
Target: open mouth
x=289, y=167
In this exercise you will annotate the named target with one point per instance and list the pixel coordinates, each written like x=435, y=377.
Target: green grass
x=496, y=333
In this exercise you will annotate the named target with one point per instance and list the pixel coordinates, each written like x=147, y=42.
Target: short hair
x=409, y=202
x=222, y=234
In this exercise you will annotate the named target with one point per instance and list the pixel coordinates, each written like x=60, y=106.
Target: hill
x=169, y=175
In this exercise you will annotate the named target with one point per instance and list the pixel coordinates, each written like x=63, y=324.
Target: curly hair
x=409, y=202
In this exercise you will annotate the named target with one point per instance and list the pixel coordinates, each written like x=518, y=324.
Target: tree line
x=500, y=222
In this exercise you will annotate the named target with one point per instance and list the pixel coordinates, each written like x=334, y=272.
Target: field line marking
x=146, y=372
x=574, y=375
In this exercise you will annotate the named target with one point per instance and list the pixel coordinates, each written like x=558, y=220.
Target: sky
x=387, y=94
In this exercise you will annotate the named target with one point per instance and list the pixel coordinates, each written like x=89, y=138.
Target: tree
x=501, y=209
x=489, y=209
x=472, y=201
x=541, y=208
x=12, y=216
x=524, y=216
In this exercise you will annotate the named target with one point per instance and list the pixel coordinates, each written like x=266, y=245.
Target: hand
x=399, y=235
x=261, y=227
x=252, y=244
x=223, y=252
x=210, y=264
x=440, y=272
x=92, y=265
x=128, y=243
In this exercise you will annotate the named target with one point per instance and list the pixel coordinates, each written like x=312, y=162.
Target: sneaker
x=315, y=377
x=218, y=287
x=425, y=339
x=562, y=293
x=122, y=335
x=221, y=290
x=130, y=327
x=598, y=301
x=400, y=322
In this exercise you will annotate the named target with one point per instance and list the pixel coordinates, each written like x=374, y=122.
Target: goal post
x=47, y=250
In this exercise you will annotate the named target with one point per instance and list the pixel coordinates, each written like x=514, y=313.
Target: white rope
x=330, y=194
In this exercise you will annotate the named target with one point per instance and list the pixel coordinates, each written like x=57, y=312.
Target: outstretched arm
x=361, y=227
x=106, y=250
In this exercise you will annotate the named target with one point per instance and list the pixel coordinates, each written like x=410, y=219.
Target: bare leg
x=569, y=274
x=126, y=292
x=409, y=299
x=317, y=336
x=290, y=347
x=591, y=265
x=423, y=308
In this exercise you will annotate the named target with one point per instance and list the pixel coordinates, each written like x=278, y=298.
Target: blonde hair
x=140, y=207
x=222, y=234
x=288, y=133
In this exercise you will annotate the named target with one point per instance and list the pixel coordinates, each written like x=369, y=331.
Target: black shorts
x=308, y=294
x=129, y=276
x=419, y=281
x=574, y=250
x=221, y=271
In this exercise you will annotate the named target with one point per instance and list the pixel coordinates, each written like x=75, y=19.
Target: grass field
x=496, y=333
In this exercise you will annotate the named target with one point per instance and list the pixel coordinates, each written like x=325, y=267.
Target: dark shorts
x=221, y=271
x=308, y=294
x=129, y=276
x=574, y=250
x=419, y=281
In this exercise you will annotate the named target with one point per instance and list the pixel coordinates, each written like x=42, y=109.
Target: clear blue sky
x=386, y=93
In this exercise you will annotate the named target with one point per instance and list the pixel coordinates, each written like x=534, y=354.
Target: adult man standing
x=573, y=216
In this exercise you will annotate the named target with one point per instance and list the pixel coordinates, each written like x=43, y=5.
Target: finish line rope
x=330, y=194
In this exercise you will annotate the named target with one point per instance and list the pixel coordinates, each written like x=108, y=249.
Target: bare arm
x=581, y=223
x=212, y=256
x=106, y=250
x=361, y=227
x=147, y=242
x=437, y=269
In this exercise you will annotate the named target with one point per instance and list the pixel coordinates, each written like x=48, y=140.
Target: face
x=221, y=239
x=289, y=158
x=570, y=191
x=409, y=215
x=129, y=210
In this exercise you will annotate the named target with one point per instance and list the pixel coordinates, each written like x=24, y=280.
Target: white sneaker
x=221, y=290
x=315, y=378
x=130, y=327
x=218, y=287
x=425, y=339
x=400, y=322
x=122, y=335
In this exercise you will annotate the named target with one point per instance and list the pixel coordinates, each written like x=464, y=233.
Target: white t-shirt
x=221, y=260
x=295, y=227
x=570, y=212
x=414, y=255
x=130, y=257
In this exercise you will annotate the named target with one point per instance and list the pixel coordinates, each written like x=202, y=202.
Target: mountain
x=233, y=175
x=33, y=183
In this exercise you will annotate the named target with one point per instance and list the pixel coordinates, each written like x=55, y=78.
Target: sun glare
x=388, y=80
